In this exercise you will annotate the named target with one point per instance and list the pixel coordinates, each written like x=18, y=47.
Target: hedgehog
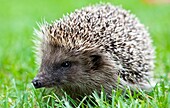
x=96, y=46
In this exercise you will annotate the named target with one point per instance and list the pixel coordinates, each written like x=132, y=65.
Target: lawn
x=18, y=18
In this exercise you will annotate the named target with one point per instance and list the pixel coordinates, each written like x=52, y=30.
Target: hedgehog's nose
x=37, y=83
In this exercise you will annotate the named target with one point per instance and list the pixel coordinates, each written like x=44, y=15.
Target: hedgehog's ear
x=96, y=61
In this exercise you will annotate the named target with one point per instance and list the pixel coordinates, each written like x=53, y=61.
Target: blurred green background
x=18, y=19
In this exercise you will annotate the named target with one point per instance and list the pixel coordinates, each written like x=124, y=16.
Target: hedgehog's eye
x=66, y=64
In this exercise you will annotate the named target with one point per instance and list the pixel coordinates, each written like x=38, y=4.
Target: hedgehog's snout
x=37, y=82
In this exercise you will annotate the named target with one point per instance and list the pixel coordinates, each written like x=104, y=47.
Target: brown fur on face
x=88, y=71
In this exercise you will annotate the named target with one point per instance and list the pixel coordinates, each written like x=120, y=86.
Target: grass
x=17, y=67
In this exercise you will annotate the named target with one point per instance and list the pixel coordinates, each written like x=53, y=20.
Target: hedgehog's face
x=62, y=68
